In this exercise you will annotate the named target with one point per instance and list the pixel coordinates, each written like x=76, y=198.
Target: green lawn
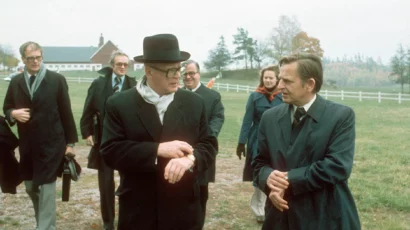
x=380, y=181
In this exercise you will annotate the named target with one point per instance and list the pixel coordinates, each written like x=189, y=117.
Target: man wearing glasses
x=158, y=137
x=214, y=115
x=38, y=101
x=114, y=81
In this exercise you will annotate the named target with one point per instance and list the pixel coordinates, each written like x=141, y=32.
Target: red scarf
x=269, y=94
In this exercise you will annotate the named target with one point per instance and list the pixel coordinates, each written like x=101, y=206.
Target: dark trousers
x=203, y=196
x=107, y=197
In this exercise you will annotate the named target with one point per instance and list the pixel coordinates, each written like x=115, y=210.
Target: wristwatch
x=192, y=158
x=71, y=145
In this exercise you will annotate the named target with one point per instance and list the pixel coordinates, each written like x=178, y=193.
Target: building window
x=81, y=66
x=88, y=66
x=51, y=66
x=75, y=66
x=62, y=66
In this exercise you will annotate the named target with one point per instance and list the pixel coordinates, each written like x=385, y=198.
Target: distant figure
x=115, y=80
x=38, y=101
x=265, y=97
x=305, y=153
x=214, y=115
x=157, y=136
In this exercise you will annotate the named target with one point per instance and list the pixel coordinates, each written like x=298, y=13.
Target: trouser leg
x=203, y=195
x=258, y=202
x=47, y=207
x=34, y=193
x=44, y=203
x=107, y=197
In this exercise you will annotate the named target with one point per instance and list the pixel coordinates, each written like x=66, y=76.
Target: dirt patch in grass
x=228, y=205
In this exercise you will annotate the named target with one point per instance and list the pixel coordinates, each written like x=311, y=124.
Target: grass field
x=380, y=181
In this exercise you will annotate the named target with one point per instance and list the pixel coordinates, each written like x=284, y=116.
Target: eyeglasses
x=172, y=72
x=119, y=64
x=191, y=74
x=37, y=58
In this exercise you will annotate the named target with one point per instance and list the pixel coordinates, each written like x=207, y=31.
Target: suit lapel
x=108, y=87
x=172, y=118
x=23, y=86
x=149, y=118
x=284, y=123
x=127, y=83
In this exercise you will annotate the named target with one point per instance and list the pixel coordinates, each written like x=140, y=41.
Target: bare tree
x=280, y=40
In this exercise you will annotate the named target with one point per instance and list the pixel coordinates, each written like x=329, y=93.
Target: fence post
x=343, y=96
x=237, y=88
x=326, y=94
x=217, y=86
x=247, y=89
x=399, y=98
x=227, y=87
x=380, y=97
x=79, y=80
x=360, y=96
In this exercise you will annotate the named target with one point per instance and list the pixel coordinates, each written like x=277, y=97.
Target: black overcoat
x=131, y=136
x=215, y=116
x=9, y=166
x=91, y=121
x=43, y=139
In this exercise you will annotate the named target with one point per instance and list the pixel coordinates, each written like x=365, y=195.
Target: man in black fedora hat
x=158, y=137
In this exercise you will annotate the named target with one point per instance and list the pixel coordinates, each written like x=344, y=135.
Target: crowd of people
x=163, y=140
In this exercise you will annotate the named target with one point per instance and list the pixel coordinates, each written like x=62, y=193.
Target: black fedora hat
x=162, y=48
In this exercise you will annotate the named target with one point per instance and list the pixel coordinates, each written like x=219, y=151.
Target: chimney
x=101, y=41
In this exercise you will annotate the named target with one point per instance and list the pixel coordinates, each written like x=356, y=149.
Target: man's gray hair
x=190, y=61
x=116, y=53
x=33, y=45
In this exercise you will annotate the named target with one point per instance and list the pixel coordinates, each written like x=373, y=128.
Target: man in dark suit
x=114, y=80
x=158, y=137
x=214, y=115
x=38, y=101
x=305, y=153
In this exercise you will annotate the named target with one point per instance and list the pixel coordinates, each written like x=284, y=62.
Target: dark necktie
x=32, y=78
x=299, y=113
x=116, y=87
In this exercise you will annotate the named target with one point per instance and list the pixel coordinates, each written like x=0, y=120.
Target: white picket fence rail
x=379, y=96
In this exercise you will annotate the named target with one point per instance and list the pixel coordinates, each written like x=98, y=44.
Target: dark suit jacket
x=215, y=116
x=9, y=166
x=91, y=122
x=51, y=126
x=131, y=136
x=318, y=160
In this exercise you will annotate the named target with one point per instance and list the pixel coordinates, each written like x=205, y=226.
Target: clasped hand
x=277, y=182
x=179, y=163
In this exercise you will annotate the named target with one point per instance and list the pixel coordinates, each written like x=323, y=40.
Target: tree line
x=7, y=57
x=400, y=67
x=286, y=38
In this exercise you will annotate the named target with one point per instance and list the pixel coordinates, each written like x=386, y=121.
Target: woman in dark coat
x=265, y=97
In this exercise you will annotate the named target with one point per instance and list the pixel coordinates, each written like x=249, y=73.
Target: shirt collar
x=197, y=87
x=306, y=106
x=114, y=75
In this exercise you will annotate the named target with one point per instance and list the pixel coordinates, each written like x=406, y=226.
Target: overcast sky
x=344, y=27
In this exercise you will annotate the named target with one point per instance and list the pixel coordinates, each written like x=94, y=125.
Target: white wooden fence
x=379, y=96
